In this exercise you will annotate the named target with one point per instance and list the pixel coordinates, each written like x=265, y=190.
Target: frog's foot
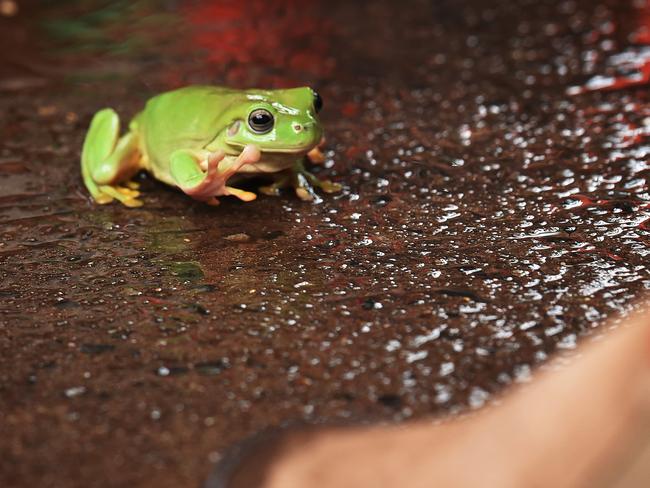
x=206, y=180
x=127, y=195
x=124, y=194
x=282, y=180
x=304, y=183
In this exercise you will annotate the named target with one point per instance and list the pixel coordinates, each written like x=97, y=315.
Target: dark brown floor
x=489, y=219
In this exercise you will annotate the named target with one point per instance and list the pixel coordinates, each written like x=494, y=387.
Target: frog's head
x=276, y=121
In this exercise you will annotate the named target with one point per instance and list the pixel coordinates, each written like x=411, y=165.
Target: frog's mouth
x=302, y=149
x=274, y=159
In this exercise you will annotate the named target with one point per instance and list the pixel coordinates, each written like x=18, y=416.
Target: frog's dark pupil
x=260, y=121
x=318, y=102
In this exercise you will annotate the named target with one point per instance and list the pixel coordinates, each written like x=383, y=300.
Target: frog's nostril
x=298, y=127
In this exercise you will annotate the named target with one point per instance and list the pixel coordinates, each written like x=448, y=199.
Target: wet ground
x=495, y=211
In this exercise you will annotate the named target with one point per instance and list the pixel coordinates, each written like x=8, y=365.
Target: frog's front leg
x=304, y=183
x=107, y=159
x=203, y=175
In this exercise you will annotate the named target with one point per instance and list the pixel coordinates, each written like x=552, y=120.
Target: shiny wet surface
x=495, y=210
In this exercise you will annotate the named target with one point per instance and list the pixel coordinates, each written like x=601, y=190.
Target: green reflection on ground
x=167, y=237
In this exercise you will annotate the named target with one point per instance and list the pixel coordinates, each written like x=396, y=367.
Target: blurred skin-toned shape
x=583, y=424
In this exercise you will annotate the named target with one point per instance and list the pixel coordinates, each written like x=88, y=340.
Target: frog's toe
x=306, y=194
x=212, y=201
x=270, y=190
x=316, y=156
x=246, y=196
x=102, y=198
x=127, y=192
x=132, y=202
x=133, y=185
x=305, y=191
x=329, y=186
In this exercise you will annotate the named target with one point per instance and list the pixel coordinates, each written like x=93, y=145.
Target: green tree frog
x=201, y=139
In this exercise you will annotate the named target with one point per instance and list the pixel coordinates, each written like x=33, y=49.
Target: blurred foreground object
x=8, y=8
x=586, y=424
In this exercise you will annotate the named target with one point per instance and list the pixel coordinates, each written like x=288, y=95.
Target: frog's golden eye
x=318, y=102
x=260, y=121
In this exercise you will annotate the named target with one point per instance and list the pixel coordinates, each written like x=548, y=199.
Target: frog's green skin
x=199, y=137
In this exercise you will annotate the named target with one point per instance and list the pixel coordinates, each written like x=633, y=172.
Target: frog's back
x=187, y=118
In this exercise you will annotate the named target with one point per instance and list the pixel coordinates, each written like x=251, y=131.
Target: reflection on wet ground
x=496, y=209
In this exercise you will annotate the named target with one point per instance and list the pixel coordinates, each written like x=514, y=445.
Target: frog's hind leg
x=107, y=159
